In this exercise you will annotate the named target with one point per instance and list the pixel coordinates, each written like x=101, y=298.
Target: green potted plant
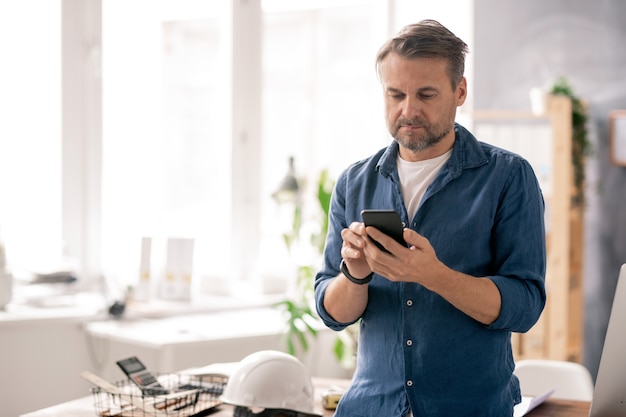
x=301, y=319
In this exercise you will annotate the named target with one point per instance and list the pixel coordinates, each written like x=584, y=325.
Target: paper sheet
x=528, y=403
x=224, y=369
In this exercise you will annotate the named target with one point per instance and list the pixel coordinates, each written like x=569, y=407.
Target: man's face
x=420, y=105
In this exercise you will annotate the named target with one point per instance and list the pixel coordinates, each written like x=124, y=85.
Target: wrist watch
x=360, y=281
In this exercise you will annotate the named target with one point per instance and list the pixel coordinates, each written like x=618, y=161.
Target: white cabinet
x=41, y=359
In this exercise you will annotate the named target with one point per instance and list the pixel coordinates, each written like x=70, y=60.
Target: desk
x=550, y=408
x=83, y=407
x=557, y=408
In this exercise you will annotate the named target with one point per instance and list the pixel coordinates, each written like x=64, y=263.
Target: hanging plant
x=581, y=147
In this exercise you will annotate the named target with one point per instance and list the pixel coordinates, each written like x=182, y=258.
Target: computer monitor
x=609, y=394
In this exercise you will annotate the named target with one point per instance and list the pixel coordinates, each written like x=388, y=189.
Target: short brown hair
x=428, y=39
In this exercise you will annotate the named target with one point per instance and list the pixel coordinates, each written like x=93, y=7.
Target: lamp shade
x=289, y=189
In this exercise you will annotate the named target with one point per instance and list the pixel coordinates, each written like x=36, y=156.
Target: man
x=435, y=316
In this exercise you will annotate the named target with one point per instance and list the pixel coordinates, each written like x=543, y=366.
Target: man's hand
x=354, y=240
x=416, y=263
x=478, y=297
x=344, y=300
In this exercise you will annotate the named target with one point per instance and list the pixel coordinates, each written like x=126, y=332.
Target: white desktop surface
x=191, y=328
x=81, y=407
x=84, y=407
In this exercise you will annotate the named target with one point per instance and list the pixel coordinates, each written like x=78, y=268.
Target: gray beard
x=420, y=144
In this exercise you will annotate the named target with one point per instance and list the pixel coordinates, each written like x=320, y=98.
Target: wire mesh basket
x=187, y=396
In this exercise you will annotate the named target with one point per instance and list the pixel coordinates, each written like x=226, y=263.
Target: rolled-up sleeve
x=519, y=252
x=332, y=254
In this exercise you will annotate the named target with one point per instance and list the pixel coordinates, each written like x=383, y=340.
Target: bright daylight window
x=30, y=133
x=166, y=158
x=166, y=142
x=166, y=155
x=321, y=105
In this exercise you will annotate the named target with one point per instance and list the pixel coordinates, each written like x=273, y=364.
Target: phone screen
x=387, y=221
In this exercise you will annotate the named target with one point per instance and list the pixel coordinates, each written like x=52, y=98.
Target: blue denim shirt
x=483, y=214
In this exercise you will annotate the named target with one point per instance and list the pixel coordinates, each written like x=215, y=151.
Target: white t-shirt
x=415, y=177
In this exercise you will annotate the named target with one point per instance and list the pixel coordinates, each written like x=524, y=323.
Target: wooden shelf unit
x=559, y=332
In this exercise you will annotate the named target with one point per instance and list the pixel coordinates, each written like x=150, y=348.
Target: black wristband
x=360, y=281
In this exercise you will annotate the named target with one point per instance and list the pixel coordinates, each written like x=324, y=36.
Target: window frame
x=82, y=137
x=82, y=132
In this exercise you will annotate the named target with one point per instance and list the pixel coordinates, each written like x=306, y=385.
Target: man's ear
x=461, y=92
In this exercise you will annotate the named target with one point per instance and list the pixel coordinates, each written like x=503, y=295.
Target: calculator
x=141, y=376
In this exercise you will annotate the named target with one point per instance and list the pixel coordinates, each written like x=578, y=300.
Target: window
x=166, y=153
x=168, y=148
x=30, y=133
x=203, y=104
x=321, y=105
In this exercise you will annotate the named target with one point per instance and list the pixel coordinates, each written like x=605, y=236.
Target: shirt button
x=409, y=342
x=409, y=383
x=409, y=303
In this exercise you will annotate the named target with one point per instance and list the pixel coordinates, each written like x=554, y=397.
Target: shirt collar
x=466, y=153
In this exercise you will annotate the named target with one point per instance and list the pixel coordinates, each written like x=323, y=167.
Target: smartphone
x=136, y=371
x=387, y=221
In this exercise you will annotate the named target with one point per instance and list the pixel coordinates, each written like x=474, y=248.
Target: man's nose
x=412, y=107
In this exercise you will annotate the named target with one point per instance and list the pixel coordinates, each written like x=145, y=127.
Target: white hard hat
x=270, y=380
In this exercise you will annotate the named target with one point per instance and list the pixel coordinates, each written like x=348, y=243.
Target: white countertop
x=192, y=328
x=93, y=307
x=80, y=306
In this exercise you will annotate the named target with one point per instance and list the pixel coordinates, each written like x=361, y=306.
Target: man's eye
x=427, y=96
